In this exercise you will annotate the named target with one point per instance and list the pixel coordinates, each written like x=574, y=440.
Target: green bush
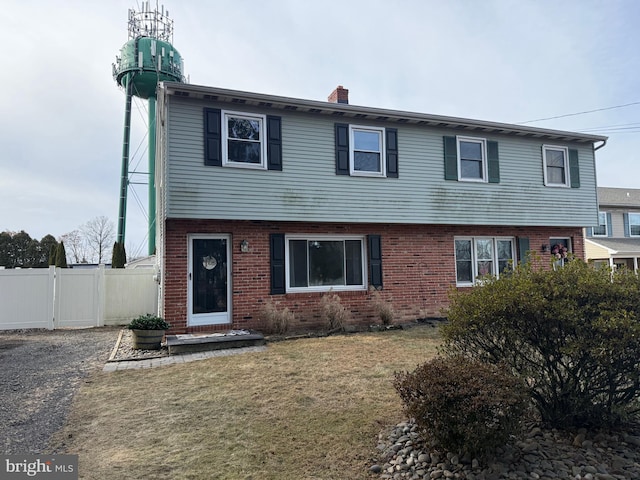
x=573, y=334
x=463, y=405
x=148, y=321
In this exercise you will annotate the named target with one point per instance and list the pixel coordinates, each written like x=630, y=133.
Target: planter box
x=147, y=339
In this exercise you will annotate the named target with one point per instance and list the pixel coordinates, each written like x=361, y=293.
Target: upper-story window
x=478, y=257
x=241, y=139
x=367, y=151
x=602, y=230
x=634, y=224
x=472, y=163
x=471, y=159
x=244, y=140
x=556, y=166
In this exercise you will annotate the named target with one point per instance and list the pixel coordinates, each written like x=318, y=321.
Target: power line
x=581, y=113
x=611, y=127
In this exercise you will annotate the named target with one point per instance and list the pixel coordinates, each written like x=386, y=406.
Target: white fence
x=56, y=297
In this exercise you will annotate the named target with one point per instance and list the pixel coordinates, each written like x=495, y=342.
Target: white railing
x=56, y=297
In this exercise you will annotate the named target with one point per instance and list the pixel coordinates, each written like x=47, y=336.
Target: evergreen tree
x=61, y=256
x=52, y=254
x=43, y=259
x=119, y=256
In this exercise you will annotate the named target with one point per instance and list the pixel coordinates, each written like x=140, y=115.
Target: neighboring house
x=264, y=197
x=142, y=262
x=615, y=241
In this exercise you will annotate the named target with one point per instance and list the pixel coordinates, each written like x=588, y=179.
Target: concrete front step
x=213, y=341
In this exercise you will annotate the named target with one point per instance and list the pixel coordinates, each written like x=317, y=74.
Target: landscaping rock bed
x=541, y=454
x=123, y=349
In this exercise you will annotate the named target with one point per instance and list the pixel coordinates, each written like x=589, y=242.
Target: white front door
x=209, y=280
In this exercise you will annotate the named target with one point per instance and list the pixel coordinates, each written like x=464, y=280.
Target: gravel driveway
x=40, y=371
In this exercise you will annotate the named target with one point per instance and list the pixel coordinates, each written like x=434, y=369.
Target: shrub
x=334, y=315
x=572, y=333
x=276, y=320
x=463, y=405
x=148, y=321
x=383, y=308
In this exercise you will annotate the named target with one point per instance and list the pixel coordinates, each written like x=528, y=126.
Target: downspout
x=604, y=142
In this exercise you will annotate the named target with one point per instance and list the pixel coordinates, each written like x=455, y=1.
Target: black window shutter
x=450, y=158
x=523, y=248
x=276, y=241
x=212, y=137
x=274, y=143
x=375, y=261
x=609, y=229
x=342, y=149
x=574, y=168
x=392, y=152
x=493, y=163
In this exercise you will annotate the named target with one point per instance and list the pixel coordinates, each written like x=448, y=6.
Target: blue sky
x=509, y=61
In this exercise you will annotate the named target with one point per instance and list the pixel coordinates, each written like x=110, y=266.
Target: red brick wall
x=418, y=265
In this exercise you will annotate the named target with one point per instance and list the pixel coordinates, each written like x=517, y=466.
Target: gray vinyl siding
x=617, y=222
x=307, y=189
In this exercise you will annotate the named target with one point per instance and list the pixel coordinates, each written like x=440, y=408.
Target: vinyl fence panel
x=26, y=299
x=129, y=293
x=54, y=297
x=77, y=298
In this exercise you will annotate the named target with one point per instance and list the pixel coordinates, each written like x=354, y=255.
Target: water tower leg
x=152, y=175
x=124, y=175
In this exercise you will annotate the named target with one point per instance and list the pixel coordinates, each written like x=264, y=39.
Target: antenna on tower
x=146, y=59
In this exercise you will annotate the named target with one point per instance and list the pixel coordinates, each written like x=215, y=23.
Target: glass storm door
x=209, y=280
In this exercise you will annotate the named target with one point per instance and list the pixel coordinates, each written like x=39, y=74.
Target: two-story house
x=615, y=241
x=267, y=197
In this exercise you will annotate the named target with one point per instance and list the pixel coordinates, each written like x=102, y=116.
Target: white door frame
x=213, y=318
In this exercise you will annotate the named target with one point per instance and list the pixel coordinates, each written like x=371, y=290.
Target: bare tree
x=98, y=236
x=75, y=246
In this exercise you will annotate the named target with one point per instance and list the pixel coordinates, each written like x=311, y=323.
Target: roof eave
x=370, y=113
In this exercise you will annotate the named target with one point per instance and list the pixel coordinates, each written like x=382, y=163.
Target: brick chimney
x=339, y=95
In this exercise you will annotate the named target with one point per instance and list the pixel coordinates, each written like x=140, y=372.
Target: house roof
x=622, y=246
x=343, y=110
x=142, y=262
x=622, y=197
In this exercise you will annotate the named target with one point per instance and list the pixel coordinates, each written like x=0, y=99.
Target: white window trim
x=567, y=180
x=263, y=140
x=483, y=143
x=633, y=214
x=383, y=156
x=474, y=258
x=326, y=288
x=606, y=226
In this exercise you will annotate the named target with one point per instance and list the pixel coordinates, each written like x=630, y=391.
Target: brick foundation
x=418, y=265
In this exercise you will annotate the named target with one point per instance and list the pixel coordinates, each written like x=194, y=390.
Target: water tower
x=146, y=59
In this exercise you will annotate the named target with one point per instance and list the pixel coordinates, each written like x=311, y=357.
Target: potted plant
x=148, y=331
